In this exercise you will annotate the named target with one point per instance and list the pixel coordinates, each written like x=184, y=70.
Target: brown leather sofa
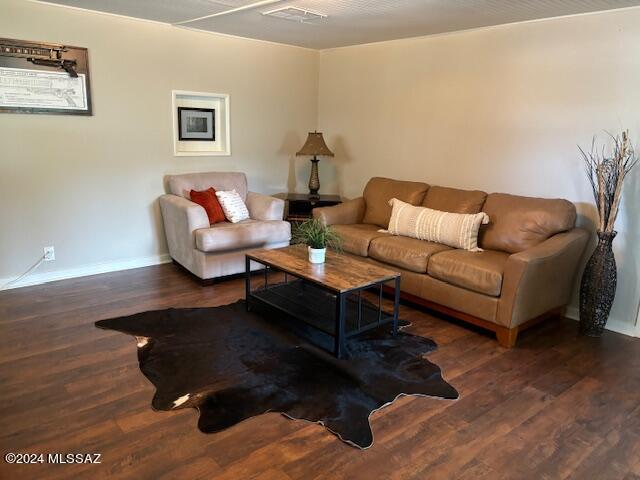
x=526, y=272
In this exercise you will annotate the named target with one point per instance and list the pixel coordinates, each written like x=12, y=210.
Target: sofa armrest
x=264, y=207
x=346, y=213
x=541, y=278
x=181, y=219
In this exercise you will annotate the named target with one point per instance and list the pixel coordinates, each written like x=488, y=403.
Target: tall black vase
x=598, y=287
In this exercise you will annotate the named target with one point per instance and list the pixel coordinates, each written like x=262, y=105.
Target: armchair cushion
x=182, y=184
x=227, y=236
x=264, y=207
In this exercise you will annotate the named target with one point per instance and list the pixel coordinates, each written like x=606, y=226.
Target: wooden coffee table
x=326, y=297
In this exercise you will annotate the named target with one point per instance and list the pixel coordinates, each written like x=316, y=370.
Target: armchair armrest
x=264, y=207
x=346, y=213
x=181, y=219
x=541, y=278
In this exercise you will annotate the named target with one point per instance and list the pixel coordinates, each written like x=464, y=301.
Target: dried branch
x=607, y=174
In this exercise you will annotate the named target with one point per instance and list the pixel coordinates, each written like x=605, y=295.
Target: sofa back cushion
x=182, y=185
x=454, y=200
x=518, y=223
x=380, y=190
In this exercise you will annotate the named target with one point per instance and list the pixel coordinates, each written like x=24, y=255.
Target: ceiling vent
x=231, y=3
x=295, y=14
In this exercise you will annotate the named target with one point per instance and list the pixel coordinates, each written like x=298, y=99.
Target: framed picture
x=201, y=123
x=196, y=124
x=46, y=78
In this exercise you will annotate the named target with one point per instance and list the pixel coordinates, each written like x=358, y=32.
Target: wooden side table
x=300, y=205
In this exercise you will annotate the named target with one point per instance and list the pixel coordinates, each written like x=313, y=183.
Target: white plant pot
x=317, y=255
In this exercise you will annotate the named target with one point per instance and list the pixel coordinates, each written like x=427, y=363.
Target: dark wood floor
x=556, y=406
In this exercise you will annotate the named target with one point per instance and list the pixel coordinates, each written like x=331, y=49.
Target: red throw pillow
x=209, y=201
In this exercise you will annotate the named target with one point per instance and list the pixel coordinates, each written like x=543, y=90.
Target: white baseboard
x=85, y=270
x=96, y=268
x=613, y=324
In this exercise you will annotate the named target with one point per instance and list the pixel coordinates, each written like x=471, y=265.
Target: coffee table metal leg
x=359, y=309
x=379, y=303
x=396, y=305
x=247, y=281
x=338, y=349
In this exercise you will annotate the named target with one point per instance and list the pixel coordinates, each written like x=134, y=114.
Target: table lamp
x=314, y=146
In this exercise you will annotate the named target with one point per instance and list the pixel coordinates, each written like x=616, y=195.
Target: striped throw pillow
x=456, y=230
x=234, y=208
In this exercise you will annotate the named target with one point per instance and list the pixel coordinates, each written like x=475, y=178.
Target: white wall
x=88, y=185
x=498, y=109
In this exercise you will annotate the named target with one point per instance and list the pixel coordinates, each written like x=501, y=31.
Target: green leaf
x=316, y=234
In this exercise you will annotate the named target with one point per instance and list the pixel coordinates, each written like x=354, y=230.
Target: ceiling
x=347, y=22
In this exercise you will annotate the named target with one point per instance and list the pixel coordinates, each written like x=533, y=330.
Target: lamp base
x=314, y=180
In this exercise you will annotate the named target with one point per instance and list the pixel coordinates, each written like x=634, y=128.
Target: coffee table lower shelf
x=325, y=318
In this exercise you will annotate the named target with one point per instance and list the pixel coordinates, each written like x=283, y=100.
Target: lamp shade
x=315, y=146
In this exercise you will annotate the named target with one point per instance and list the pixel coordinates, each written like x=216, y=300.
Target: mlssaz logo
x=74, y=458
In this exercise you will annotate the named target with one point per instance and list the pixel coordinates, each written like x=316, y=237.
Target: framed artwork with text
x=46, y=78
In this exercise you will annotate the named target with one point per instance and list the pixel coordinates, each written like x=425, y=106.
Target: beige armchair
x=212, y=251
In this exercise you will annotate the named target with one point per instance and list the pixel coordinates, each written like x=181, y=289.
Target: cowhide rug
x=231, y=364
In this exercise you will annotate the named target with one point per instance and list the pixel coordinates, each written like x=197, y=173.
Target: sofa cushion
x=477, y=271
x=380, y=190
x=518, y=223
x=356, y=237
x=404, y=252
x=226, y=236
x=454, y=200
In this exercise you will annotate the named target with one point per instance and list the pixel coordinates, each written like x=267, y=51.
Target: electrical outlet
x=49, y=254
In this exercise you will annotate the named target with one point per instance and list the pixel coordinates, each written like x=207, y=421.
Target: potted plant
x=598, y=286
x=317, y=236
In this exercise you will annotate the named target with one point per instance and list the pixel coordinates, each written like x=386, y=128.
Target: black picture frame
x=196, y=124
